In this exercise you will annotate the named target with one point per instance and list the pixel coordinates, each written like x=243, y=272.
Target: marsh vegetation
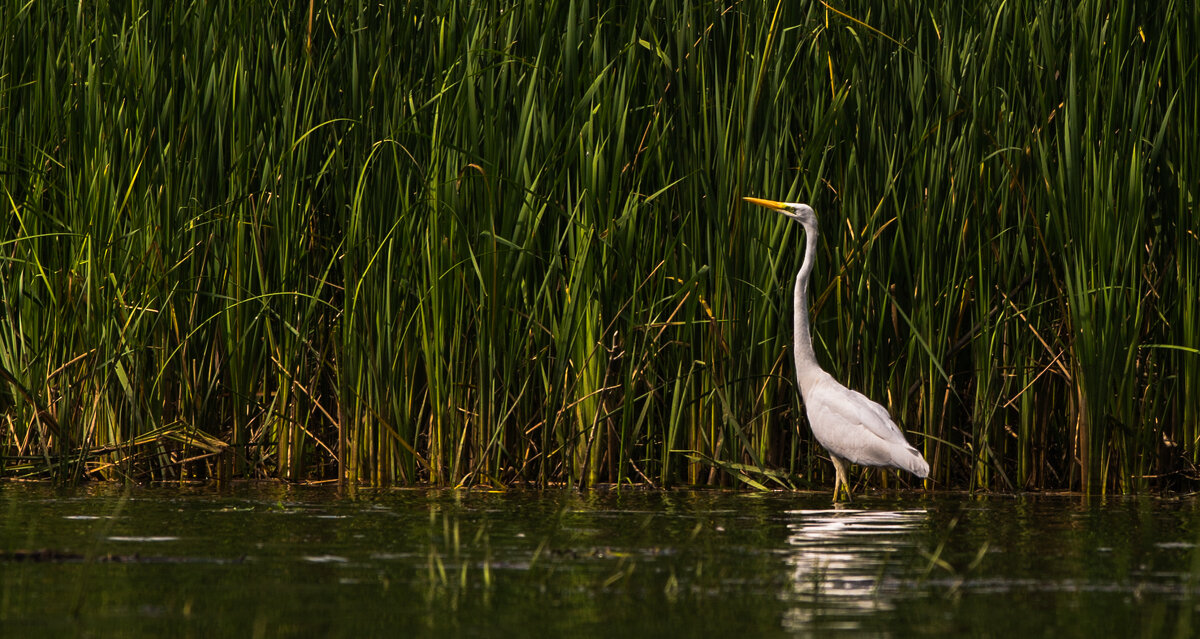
x=465, y=242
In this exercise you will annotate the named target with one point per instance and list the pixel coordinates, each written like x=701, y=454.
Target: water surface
x=269, y=560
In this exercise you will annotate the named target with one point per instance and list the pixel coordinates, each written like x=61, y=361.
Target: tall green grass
x=502, y=243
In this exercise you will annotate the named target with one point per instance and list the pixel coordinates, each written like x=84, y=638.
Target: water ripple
x=840, y=560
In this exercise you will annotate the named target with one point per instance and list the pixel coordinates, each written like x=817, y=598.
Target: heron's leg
x=839, y=465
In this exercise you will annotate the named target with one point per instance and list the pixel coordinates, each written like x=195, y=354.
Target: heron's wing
x=853, y=427
x=842, y=405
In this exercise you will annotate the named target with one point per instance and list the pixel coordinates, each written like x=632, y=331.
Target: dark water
x=270, y=560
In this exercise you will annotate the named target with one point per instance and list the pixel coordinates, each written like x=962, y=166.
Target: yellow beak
x=771, y=204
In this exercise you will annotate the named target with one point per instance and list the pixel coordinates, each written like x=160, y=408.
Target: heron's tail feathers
x=911, y=460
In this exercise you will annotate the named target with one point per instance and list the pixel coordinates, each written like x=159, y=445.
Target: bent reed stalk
x=503, y=243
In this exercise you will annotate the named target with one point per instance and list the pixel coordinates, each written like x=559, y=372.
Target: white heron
x=851, y=427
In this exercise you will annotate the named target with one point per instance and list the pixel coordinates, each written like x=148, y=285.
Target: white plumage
x=851, y=427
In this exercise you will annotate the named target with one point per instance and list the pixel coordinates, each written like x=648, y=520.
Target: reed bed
x=503, y=242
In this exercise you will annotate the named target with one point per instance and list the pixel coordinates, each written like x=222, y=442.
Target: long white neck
x=806, y=359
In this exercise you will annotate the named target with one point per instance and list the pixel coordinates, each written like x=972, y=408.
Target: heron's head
x=802, y=213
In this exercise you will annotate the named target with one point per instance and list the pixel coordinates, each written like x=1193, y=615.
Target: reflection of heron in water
x=851, y=427
x=841, y=564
